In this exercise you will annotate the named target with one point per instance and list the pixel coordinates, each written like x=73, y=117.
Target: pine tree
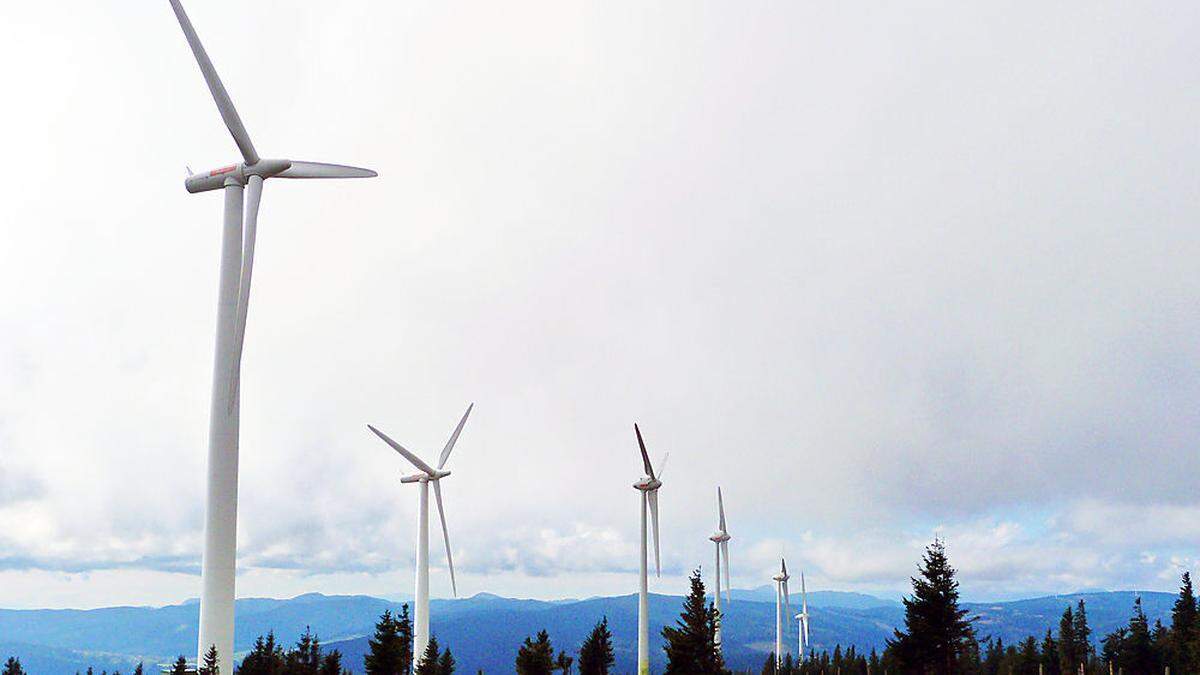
x=428, y=664
x=692, y=645
x=1049, y=657
x=1137, y=653
x=389, y=652
x=13, y=666
x=180, y=667
x=265, y=658
x=1083, y=633
x=331, y=664
x=305, y=659
x=596, y=653
x=938, y=633
x=1068, y=660
x=564, y=663
x=1185, y=630
x=536, y=657
x=210, y=665
x=446, y=663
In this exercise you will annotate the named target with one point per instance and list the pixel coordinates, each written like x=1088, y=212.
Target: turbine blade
x=787, y=599
x=662, y=464
x=437, y=493
x=652, y=496
x=249, y=235
x=321, y=170
x=645, y=455
x=725, y=554
x=224, y=104
x=453, y=438
x=721, y=507
x=400, y=449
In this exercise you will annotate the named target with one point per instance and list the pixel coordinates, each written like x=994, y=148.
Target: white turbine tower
x=721, y=539
x=648, y=486
x=428, y=475
x=783, y=603
x=802, y=619
x=237, y=264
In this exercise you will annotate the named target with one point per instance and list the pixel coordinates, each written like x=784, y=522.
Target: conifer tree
x=446, y=663
x=139, y=670
x=536, y=657
x=1137, y=652
x=937, y=633
x=596, y=653
x=1049, y=656
x=210, y=665
x=305, y=659
x=1185, y=630
x=331, y=664
x=564, y=663
x=1083, y=633
x=1068, y=660
x=428, y=663
x=692, y=644
x=265, y=658
x=13, y=666
x=180, y=667
x=389, y=651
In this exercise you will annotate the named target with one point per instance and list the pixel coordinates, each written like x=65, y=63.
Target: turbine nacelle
x=719, y=537
x=239, y=174
x=424, y=477
x=648, y=484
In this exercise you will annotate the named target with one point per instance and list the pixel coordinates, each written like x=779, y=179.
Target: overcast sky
x=882, y=271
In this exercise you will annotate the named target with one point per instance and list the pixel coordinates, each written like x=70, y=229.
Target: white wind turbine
x=648, y=486
x=427, y=475
x=802, y=619
x=237, y=264
x=721, y=539
x=783, y=603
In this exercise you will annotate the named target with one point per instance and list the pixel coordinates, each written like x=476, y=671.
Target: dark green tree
x=180, y=667
x=938, y=634
x=331, y=664
x=692, y=643
x=596, y=653
x=536, y=657
x=1068, y=659
x=564, y=663
x=1137, y=652
x=305, y=658
x=13, y=666
x=265, y=658
x=209, y=666
x=1185, y=630
x=1049, y=656
x=446, y=663
x=428, y=663
x=389, y=651
x=1083, y=633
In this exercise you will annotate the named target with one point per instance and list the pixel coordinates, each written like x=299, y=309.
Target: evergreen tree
x=210, y=666
x=1049, y=656
x=389, y=651
x=305, y=659
x=1083, y=633
x=331, y=664
x=536, y=657
x=139, y=670
x=1137, y=653
x=1068, y=660
x=938, y=634
x=768, y=667
x=13, y=666
x=1112, y=647
x=446, y=663
x=1185, y=630
x=596, y=653
x=265, y=658
x=692, y=645
x=564, y=663
x=428, y=664
x=180, y=667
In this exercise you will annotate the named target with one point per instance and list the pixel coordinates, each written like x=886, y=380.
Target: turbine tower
x=802, y=618
x=648, y=486
x=721, y=539
x=783, y=603
x=426, y=476
x=237, y=264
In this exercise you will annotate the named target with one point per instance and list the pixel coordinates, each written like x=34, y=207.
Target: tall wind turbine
x=782, y=603
x=802, y=618
x=721, y=539
x=426, y=476
x=648, y=486
x=237, y=264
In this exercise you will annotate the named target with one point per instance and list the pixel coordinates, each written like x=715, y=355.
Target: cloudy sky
x=880, y=271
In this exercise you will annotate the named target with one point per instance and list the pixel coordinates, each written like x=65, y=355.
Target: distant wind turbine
x=237, y=264
x=721, y=539
x=802, y=618
x=426, y=476
x=648, y=486
x=783, y=603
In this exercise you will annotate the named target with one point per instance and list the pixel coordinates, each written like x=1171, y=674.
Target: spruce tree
x=596, y=653
x=446, y=663
x=564, y=663
x=139, y=670
x=1068, y=660
x=428, y=664
x=1137, y=653
x=389, y=651
x=536, y=657
x=265, y=658
x=937, y=633
x=1049, y=657
x=180, y=667
x=1083, y=633
x=331, y=664
x=13, y=666
x=1185, y=630
x=692, y=644
x=209, y=666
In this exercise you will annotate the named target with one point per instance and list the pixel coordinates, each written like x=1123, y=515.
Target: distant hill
x=485, y=630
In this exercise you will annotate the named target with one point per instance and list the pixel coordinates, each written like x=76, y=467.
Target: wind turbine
x=648, y=486
x=802, y=618
x=721, y=539
x=426, y=476
x=782, y=601
x=237, y=264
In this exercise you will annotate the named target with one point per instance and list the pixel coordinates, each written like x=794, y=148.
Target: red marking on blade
x=226, y=169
